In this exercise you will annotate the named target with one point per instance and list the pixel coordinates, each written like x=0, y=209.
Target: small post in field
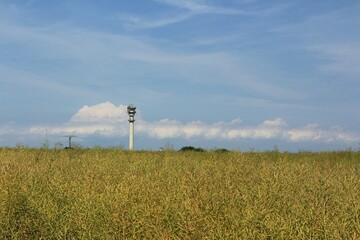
x=70, y=136
x=131, y=111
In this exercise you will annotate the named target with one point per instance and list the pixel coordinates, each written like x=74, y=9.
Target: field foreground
x=114, y=194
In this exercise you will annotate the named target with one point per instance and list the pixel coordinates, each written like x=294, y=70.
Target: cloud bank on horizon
x=108, y=120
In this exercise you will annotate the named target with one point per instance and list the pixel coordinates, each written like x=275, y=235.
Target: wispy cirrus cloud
x=332, y=37
x=193, y=5
x=28, y=80
x=190, y=8
x=200, y=6
x=106, y=119
x=137, y=22
x=341, y=58
x=85, y=52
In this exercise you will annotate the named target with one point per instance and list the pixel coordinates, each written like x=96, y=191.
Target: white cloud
x=309, y=131
x=102, y=112
x=312, y=132
x=278, y=122
x=106, y=119
x=269, y=129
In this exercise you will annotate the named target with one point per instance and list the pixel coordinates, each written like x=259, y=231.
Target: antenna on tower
x=69, y=136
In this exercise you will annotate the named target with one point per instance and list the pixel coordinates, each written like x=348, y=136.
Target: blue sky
x=237, y=74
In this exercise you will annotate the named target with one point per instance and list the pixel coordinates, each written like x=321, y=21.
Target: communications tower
x=131, y=111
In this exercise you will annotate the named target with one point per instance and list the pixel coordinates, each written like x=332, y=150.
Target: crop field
x=117, y=194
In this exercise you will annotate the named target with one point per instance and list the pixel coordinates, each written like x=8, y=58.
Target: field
x=116, y=194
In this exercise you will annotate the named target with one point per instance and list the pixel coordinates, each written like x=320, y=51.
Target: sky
x=235, y=74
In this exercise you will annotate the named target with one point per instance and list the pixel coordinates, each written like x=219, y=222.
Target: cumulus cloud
x=268, y=129
x=102, y=112
x=312, y=132
x=106, y=119
x=103, y=119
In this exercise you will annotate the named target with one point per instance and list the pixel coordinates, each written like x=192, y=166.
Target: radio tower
x=131, y=111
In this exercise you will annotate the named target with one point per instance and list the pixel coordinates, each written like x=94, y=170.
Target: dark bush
x=191, y=148
x=221, y=150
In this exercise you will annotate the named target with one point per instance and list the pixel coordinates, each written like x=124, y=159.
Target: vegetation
x=191, y=148
x=116, y=194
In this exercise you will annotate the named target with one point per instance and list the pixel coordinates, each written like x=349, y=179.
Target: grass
x=115, y=194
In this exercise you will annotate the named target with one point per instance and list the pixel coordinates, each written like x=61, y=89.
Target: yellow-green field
x=115, y=194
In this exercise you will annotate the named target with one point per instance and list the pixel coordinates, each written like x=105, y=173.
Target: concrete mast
x=131, y=111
